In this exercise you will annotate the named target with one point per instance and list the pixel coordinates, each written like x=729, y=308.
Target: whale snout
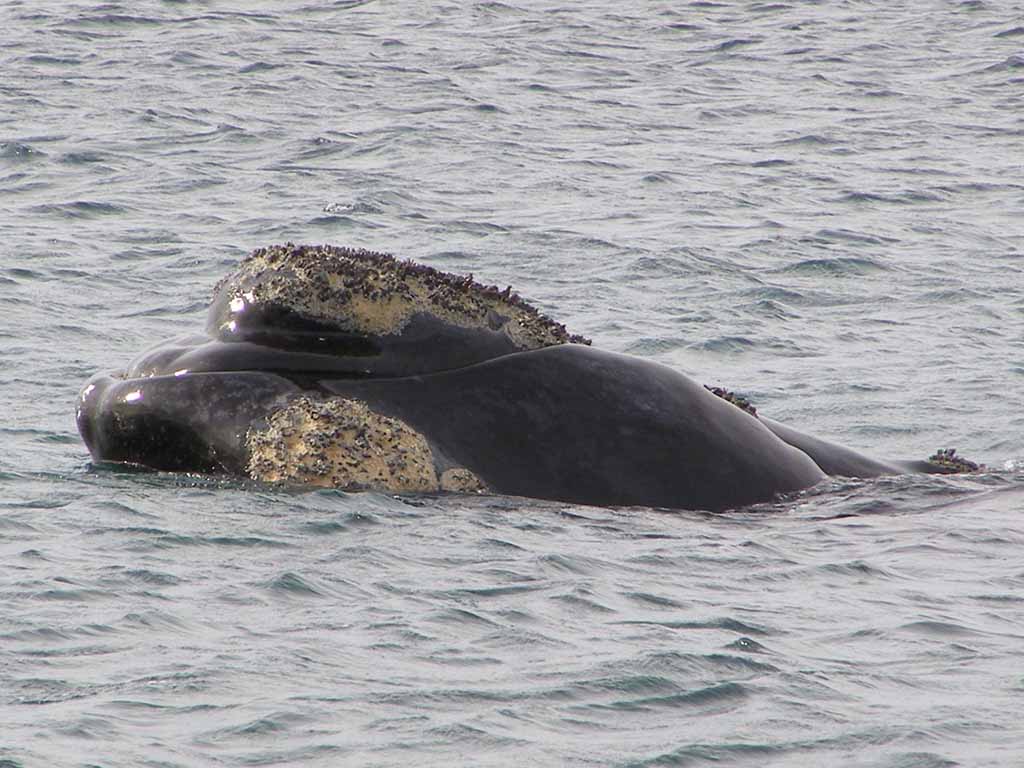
x=136, y=421
x=85, y=411
x=191, y=422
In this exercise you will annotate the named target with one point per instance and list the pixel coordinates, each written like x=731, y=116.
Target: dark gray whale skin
x=566, y=422
x=577, y=424
x=330, y=366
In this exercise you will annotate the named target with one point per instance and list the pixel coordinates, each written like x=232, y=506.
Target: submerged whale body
x=344, y=368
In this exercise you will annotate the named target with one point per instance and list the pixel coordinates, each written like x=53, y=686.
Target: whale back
x=577, y=424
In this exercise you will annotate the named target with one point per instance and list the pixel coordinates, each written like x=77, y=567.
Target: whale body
x=334, y=367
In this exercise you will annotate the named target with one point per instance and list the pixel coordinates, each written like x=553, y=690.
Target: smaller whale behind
x=335, y=367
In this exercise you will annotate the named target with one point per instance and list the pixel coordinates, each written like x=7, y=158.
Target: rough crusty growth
x=461, y=480
x=374, y=293
x=341, y=443
x=947, y=459
x=731, y=397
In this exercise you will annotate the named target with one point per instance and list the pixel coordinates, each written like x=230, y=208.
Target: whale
x=323, y=366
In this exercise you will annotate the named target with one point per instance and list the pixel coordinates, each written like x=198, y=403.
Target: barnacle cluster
x=365, y=292
x=336, y=442
x=948, y=460
x=731, y=397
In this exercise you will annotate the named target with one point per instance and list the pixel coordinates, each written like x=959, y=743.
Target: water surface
x=816, y=205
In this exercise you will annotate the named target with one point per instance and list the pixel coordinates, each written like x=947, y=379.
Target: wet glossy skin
x=564, y=422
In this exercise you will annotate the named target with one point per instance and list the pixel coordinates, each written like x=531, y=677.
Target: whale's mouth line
x=426, y=346
x=192, y=356
x=304, y=378
x=284, y=373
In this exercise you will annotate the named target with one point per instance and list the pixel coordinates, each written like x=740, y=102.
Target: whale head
x=286, y=320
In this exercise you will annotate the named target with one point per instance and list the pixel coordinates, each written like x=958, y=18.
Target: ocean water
x=818, y=205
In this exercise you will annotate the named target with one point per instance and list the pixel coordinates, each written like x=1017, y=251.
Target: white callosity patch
x=371, y=293
x=341, y=443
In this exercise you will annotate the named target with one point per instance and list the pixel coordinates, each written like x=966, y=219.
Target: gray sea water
x=818, y=205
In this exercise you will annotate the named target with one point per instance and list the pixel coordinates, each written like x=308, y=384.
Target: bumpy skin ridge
x=376, y=294
x=341, y=443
